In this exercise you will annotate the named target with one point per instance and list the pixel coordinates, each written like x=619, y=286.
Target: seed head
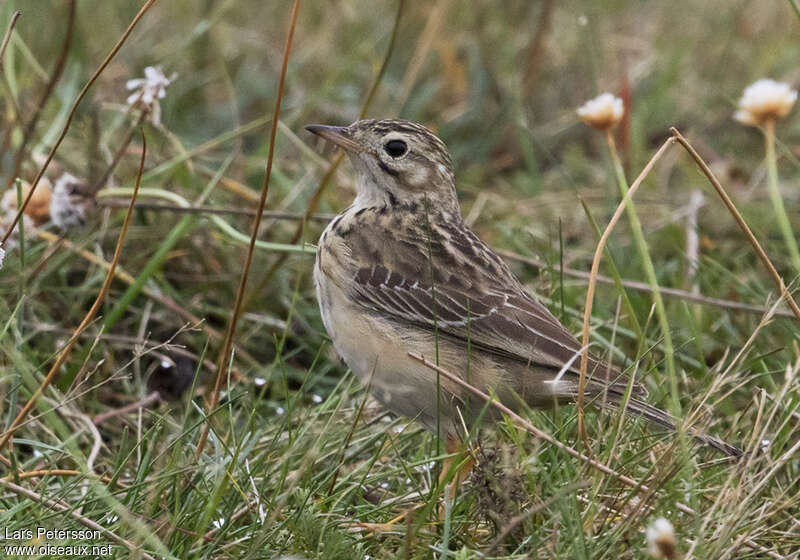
x=661, y=539
x=602, y=112
x=765, y=100
x=38, y=209
x=67, y=206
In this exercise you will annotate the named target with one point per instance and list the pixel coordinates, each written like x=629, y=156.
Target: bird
x=399, y=271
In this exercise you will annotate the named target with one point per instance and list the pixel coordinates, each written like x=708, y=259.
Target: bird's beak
x=339, y=135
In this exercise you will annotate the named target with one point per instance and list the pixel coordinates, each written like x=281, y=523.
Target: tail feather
x=666, y=420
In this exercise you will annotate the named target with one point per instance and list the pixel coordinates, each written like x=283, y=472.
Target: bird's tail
x=662, y=418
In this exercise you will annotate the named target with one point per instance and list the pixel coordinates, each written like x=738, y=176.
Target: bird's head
x=396, y=161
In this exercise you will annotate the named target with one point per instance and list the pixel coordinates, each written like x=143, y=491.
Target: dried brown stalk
x=58, y=69
x=7, y=36
x=644, y=287
x=135, y=550
x=224, y=354
x=598, y=254
x=737, y=216
x=71, y=115
x=602, y=467
x=64, y=352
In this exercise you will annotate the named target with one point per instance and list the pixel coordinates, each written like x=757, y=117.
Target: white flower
x=218, y=523
x=316, y=399
x=661, y=539
x=259, y=381
x=149, y=90
x=765, y=100
x=280, y=411
x=602, y=112
x=67, y=206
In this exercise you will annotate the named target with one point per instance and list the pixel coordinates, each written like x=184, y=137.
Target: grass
x=298, y=455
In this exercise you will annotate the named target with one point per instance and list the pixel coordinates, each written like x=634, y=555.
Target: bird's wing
x=455, y=284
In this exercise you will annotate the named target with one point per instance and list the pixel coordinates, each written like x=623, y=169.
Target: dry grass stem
x=602, y=467
x=71, y=115
x=782, y=290
x=48, y=91
x=64, y=352
x=224, y=354
x=646, y=288
x=7, y=36
x=135, y=550
x=598, y=254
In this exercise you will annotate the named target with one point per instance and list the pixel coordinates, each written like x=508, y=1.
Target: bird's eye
x=395, y=148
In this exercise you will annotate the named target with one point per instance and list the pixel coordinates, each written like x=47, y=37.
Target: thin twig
x=124, y=276
x=272, y=214
x=64, y=353
x=739, y=220
x=644, y=287
x=152, y=398
x=58, y=69
x=85, y=521
x=598, y=254
x=224, y=354
x=516, y=520
x=7, y=36
x=602, y=467
x=326, y=178
x=312, y=205
x=62, y=472
x=71, y=115
x=123, y=147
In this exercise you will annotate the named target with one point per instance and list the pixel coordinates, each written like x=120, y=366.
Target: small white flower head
x=603, y=112
x=765, y=100
x=259, y=381
x=661, y=539
x=280, y=411
x=149, y=90
x=218, y=523
x=67, y=204
x=316, y=399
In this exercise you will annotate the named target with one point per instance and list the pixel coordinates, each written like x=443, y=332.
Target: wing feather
x=455, y=283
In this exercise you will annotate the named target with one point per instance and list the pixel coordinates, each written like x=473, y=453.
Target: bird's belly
x=377, y=353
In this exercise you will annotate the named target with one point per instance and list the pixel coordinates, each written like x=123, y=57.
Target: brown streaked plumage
x=400, y=271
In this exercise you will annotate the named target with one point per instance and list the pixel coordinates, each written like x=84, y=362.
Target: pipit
x=400, y=271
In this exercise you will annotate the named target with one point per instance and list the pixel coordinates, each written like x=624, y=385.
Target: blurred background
x=500, y=82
